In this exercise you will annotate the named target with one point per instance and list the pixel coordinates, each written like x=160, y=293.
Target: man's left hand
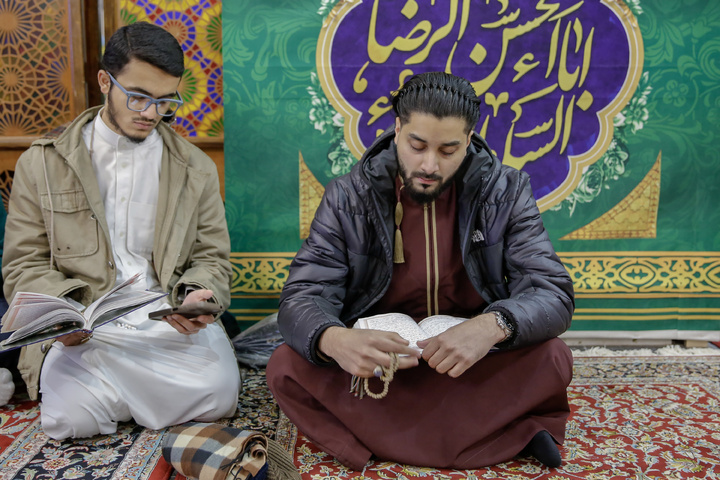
x=460, y=347
x=188, y=326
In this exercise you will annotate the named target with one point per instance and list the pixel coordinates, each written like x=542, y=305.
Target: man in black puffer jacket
x=428, y=222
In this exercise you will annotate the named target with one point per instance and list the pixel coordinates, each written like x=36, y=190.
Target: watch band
x=504, y=325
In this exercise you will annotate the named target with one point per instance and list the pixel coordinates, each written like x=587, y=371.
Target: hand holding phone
x=188, y=310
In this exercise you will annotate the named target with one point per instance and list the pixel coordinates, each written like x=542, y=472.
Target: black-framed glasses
x=139, y=102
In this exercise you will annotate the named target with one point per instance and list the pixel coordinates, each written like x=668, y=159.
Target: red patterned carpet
x=636, y=418
x=27, y=453
x=642, y=418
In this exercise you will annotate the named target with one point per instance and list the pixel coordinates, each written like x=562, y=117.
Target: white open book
x=34, y=317
x=408, y=328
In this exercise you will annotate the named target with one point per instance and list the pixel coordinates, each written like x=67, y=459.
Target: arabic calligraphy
x=548, y=85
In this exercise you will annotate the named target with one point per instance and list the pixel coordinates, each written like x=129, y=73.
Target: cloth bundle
x=209, y=451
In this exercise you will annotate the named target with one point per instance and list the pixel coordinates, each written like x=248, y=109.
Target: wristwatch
x=504, y=325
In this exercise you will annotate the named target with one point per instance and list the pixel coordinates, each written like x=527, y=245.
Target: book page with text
x=88, y=312
x=400, y=323
x=437, y=324
x=27, y=307
x=55, y=321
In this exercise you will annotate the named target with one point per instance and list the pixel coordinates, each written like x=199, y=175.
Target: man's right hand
x=359, y=351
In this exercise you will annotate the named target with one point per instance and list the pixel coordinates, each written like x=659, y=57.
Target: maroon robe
x=432, y=279
x=485, y=416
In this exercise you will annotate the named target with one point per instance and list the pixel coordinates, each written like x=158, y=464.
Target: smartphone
x=189, y=310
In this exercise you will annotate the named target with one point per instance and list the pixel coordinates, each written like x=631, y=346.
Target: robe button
x=44, y=348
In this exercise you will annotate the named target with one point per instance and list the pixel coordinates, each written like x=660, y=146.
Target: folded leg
x=485, y=416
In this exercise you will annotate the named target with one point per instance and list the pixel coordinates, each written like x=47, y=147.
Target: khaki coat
x=191, y=246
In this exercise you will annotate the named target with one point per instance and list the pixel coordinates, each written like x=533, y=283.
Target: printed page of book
x=400, y=323
x=53, y=323
x=27, y=308
x=121, y=304
x=437, y=324
x=91, y=308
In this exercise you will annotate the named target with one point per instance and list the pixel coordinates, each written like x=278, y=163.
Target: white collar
x=118, y=140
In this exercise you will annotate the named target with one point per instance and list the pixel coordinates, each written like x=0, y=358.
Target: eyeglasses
x=139, y=102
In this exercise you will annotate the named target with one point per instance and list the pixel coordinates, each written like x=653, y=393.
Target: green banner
x=613, y=109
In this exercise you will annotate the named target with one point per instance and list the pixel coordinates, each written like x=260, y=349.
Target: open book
x=34, y=317
x=408, y=328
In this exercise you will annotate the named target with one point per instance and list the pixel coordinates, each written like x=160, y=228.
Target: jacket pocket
x=489, y=263
x=72, y=224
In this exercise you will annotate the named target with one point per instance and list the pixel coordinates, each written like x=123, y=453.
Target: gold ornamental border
x=259, y=275
x=646, y=314
x=644, y=275
x=594, y=274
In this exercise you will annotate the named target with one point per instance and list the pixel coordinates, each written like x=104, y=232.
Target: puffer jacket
x=345, y=265
x=191, y=245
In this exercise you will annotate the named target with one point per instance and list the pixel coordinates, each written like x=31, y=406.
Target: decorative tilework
x=198, y=27
x=35, y=67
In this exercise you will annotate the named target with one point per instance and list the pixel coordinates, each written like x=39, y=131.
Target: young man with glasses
x=117, y=193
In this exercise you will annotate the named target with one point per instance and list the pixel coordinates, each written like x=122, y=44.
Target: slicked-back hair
x=439, y=94
x=147, y=42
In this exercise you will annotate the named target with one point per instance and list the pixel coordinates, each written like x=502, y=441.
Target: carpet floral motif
x=27, y=453
x=132, y=453
x=647, y=418
x=640, y=418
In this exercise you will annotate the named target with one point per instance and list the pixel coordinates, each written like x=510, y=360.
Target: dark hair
x=439, y=94
x=147, y=42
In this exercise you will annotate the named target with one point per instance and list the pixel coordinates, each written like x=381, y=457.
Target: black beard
x=423, y=197
x=111, y=117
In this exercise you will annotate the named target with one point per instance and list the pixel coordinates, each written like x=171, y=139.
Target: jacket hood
x=378, y=166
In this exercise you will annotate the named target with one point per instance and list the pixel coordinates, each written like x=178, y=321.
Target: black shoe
x=543, y=447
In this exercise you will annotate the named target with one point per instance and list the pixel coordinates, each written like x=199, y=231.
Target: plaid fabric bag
x=209, y=451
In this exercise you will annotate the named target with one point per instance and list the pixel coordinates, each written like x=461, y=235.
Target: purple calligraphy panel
x=545, y=72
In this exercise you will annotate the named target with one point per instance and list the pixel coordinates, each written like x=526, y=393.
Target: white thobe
x=135, y=368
